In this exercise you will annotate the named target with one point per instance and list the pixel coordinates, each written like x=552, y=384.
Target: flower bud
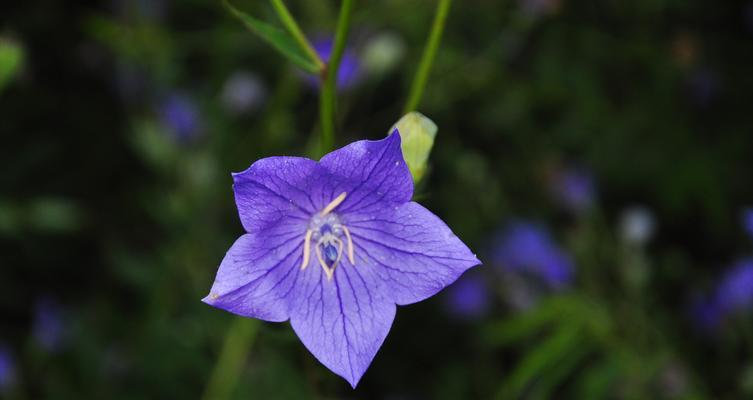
x=417, y=134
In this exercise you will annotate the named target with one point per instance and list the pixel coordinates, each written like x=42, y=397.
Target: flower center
x=327, y=234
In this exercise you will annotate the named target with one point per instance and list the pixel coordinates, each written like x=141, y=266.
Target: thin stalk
x=329, y=85
x=427, y=58
x=238, y=340
x=292, y=27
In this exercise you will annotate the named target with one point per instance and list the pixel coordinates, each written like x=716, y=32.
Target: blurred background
x=595, y=154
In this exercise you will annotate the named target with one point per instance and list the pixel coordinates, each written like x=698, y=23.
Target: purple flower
x=348, y=72
x=747, y=220
x=181, y=117
x=526, y=248
x=333, y=246
x=7, y=369
x=574, y=188
x=48, y=324
x=469, y=297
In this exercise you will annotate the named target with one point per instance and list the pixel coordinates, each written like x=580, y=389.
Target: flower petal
x=411, y=249
x=272, y=189
x=344, y=321
x=259, y=274
x=373, y=173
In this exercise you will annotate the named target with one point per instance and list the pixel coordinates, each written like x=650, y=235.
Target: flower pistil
x=326, y=230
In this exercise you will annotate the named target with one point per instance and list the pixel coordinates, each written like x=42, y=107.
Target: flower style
x=334, y=246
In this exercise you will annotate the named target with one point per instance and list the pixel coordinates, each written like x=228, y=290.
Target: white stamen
x=351, y=256
x=334, y=203
x=307, y=249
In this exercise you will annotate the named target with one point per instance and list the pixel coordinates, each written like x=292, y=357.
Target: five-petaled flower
x=334, y=246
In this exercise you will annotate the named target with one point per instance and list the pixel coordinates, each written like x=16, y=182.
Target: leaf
x=279, y=39
x=11, y=55
x=523, y=326
x=551, y=351
x=596, y=381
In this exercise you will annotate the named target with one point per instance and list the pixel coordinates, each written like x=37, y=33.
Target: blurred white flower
x=382, y=53
x=637, y=225
x=243, y=92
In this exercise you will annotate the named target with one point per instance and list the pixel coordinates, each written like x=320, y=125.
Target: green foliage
x=11, y=58
x=280, y=40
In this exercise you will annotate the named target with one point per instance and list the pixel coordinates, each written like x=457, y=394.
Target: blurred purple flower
x=733, y=294
x=574, y=188
x=526, y=248
x=469, y=297
x=747, y=220
x=705, y=314
x=242, y=92
x=48, y=324
x=349, y=72
x=735, y=291
x=7, y=369
x=180, y=116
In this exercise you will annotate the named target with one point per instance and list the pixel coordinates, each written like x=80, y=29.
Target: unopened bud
x=417, y=134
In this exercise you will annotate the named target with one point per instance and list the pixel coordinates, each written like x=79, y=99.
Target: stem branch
x=427, y=58
x=238, y=340
x=329, y=85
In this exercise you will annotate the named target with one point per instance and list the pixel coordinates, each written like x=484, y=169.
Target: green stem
x=327, y=95
x=427, y=58
x=292, y=27
x=238, y=340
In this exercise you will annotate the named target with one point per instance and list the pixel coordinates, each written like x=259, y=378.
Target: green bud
x=417, y=137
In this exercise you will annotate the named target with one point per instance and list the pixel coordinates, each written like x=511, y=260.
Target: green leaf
x=11, y=55
x=551, y=351
x=523, y=326
x=596, y=381
x=279, y=39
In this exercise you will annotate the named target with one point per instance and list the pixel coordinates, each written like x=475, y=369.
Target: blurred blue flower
x=527, y=248
x=735, y=290
x=705, y=314
x=48, y=324
x=733, y=294
x=243, y=92
x=574, y=188
x=7, y=369
x=349, y=72
x=747, y=220
x=180, y=116
x=469, y=297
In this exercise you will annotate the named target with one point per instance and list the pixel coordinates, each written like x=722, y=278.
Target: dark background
x=116, y=221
